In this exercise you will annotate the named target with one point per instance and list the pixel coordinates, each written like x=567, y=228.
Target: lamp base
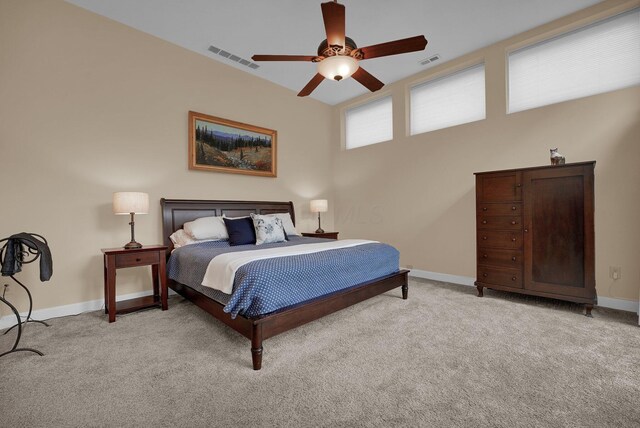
x=318, y=230
x=132, y=245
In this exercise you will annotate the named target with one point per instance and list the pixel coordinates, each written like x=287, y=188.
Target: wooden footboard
x=264, y=327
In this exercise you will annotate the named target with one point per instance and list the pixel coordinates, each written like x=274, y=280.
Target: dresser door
x=558, y=231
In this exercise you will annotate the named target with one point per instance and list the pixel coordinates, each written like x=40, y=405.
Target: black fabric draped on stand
x=23, y=248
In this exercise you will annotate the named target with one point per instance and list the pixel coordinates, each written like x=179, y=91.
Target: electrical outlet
x=615, y=272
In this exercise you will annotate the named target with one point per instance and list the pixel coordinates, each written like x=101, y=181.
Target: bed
x=176, y=212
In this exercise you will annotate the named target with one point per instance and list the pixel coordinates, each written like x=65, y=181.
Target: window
x=448, y=101
x=599, y=58
x=369, y=123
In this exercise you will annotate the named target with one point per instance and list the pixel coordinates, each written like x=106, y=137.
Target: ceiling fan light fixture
x=338, y=67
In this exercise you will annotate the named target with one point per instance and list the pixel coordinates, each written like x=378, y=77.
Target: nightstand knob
x=513, y=278
x=485, y=256
x=514, y=222
x=513, y=258
x=484, y=208
x=484, y=238
x=484, y=221
x=485, y=275
x=513, y=208
x=513, y=239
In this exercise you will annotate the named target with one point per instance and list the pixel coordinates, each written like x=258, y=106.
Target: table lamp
x=319, y=206
x=131, y=203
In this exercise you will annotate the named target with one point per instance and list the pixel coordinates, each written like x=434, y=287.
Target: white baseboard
x=94, y=305
x=444, y=277
x=620, y=304
x=73, y=309
x=605, y=302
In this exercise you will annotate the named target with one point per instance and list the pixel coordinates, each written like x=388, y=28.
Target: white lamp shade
x=130, y=202
x=339, y=65
x=319, y=206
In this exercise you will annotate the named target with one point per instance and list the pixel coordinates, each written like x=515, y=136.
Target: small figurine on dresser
x=556, y=158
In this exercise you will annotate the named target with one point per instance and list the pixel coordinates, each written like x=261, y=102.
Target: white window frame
x=416, y=129
x=388, y=136
x=544, y=99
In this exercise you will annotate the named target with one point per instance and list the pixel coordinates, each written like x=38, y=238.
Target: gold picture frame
x=223, y=145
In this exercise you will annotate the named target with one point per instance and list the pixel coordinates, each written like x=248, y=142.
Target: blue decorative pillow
x=241, y=231
x=268, y=229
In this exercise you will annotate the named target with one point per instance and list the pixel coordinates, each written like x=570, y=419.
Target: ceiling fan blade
x=367, y=80
x=395, y=47
x=313, y=83
x=283, y=57
x=333, y=15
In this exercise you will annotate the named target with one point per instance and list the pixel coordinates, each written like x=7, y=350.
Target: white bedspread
x=222, y=269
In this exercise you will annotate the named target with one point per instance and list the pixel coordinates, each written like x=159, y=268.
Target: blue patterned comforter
x=264, y=286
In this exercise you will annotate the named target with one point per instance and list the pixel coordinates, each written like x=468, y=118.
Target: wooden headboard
x=176, y=212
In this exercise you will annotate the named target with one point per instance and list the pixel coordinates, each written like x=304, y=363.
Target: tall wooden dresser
x=535, y=232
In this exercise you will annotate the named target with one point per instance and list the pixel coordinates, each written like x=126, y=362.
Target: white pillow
x=268, y=229
x=212, y=228
x=180, y=238
x=289, y=228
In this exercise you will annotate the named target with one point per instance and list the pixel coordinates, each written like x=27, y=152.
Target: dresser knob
x=514, y=222
x=513, y=278
x=484, y=256
x=526, y=230
x=513, y=258
x=513, y=208
x=519, y=185
x=513, y=239
x=484, y=275
x=484, y=208
x=484, y=238
x=484, y=221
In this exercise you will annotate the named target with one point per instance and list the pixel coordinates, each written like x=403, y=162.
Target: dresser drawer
x=491, y=222
x=505, y=277
x=499, y=187
x=504, y=239
x=514, y=209
x=137, y=259
x=504, y=258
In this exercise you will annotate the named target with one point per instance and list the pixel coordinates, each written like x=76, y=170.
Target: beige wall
x=89, y=106
x=417, y=192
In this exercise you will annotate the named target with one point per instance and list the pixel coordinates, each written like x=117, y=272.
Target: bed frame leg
x=256, y=346
x=405, y=291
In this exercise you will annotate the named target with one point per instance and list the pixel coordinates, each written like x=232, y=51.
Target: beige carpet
x=441, y=358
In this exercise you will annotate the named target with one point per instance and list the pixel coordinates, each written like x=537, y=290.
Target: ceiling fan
x=338, y=55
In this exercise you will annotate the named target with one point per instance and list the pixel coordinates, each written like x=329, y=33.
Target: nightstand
x=327, y=235
x=117, y=258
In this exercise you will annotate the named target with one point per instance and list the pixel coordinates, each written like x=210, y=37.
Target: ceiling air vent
x=232, y=57
x=429, y=60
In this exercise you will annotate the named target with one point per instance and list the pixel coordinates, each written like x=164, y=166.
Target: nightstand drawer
x=325, y=235
x=137, y=259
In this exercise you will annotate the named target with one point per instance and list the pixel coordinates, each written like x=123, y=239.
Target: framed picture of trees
x=223, y=145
